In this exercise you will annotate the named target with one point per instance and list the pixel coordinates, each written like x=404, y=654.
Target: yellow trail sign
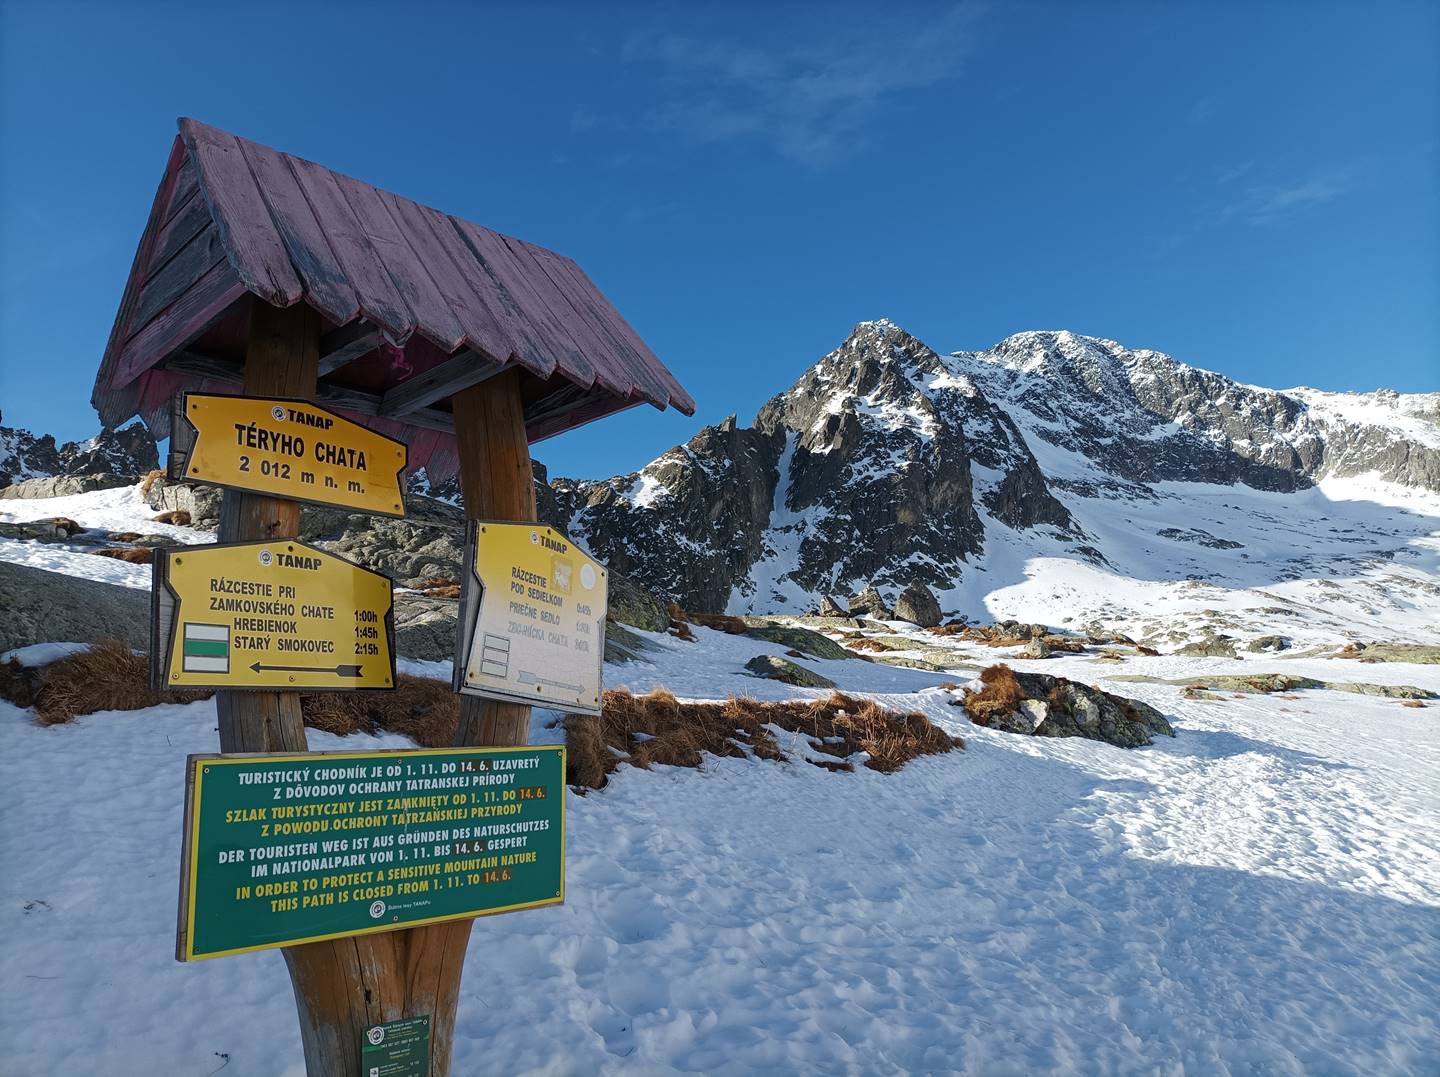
x=286, y=448
x=278, y=614
x=533, y=611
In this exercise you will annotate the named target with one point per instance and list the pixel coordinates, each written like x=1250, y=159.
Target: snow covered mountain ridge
x=1049, y=464
x=129, y=450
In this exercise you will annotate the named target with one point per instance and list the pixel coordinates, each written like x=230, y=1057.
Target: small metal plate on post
x=397, y=1049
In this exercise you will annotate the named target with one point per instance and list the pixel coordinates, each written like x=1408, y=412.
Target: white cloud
x=811, y=101
x=1267, y=203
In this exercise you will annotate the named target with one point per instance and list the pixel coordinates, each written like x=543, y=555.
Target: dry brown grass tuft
x=136, y=555
x=723, y=622
x=1000, y=696
x=109, y=676
x=658, y=728
x=69, y=526
x=425, y=710
x=866, y=644
x=954, y=628
x=439, y=587
x=179, y=517
x=148, y=480
x=1412, y=703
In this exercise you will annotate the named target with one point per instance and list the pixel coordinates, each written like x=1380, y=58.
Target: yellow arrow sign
x=278, y=614
x=534, y=614
x=286, y=448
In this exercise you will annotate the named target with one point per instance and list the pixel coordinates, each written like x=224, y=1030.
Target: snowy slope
x=1260, y=895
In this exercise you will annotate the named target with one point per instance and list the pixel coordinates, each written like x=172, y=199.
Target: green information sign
x=285, y=849
x=399, y=1049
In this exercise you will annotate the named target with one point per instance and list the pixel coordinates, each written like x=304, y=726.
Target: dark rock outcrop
x=918, y=605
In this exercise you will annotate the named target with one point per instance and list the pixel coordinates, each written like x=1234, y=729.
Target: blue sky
x=1251, y=188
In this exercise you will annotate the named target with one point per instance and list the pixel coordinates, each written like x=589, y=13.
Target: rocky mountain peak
x=129, y=450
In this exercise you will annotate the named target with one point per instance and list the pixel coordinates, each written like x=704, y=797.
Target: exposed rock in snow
x=129, y=451
x=918, y=605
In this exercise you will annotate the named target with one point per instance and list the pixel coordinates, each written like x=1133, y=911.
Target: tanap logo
x=534, y=538
x=277, y=413
x=376, y=1036
x=266, y=557
x=377, y=910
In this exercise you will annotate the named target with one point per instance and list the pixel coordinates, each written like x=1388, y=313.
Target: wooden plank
x=606, y=310
x=187, y=185
x=379, y=301
x=180, y=323
x=483, y=331
x=112, y=399
x=433, y=317
x=360, y=403
x=326, y=287
x=585, y=412
x=639, y=365
x=531, y=349
x=611, y=369
x=254, y=245
x=184, y=226
x=438, y=383
x=492, y=254
x=347, y=344
x=180, y=273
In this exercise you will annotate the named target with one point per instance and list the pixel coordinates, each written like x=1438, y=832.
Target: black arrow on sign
x=339, y=671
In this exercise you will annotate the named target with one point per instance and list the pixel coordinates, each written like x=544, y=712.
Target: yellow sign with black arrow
x=286, y=448
x=278, y=614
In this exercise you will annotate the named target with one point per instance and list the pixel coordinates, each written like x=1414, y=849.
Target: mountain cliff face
x=127, y=451
x=889, y=463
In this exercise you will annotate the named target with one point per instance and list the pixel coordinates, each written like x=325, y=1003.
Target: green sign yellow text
x=285, y=849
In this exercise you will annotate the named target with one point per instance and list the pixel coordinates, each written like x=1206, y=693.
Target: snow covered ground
x=1259, y=895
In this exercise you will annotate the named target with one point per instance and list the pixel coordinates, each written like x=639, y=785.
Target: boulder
x=65, y=485
x=1057, y=707
x=425, y=627
x=47, y=607
x=772, y=667
x=799, y=639
x=201, y=502
x=918, y=605
x=58, y=529
x=830, y=608
x=410, y=551
x=631, y=604
x=1036, y=648
x=1209, y=647
x=1268, y=643
x=622, y=645
x=870, y=603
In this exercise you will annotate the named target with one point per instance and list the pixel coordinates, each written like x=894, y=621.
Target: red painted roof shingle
x=293, y=230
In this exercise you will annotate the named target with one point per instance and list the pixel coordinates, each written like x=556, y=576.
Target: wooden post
x=343, y=985
x=497, y=483
x=280, y=360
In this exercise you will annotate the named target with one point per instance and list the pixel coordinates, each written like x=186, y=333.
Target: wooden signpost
x=271, y=276
x=285, y=448
x=269, y=615
x=532, y=618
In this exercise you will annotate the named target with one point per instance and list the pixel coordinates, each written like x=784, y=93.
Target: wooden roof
x=417, y=304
